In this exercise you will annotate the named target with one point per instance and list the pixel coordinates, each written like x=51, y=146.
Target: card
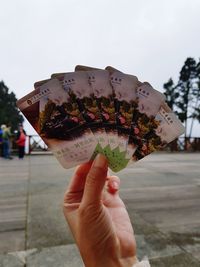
x=59, y=123
x=90, y=111
x=147, y=105
x=79, y=88
x=39, y=83
x=100, y=82
x=93, y=77
x=169, y=127
x=124, y=87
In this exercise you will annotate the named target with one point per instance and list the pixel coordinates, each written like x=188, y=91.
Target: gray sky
x=150, y=39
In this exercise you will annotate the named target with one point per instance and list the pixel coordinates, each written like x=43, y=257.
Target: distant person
x=1, y=141
x=21, y=140
x=6, y=136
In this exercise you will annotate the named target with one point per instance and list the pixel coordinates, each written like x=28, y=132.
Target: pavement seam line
x=27, y=207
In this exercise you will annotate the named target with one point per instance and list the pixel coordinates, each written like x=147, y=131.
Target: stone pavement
x=161, y=192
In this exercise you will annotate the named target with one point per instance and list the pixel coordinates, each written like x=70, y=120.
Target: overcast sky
x=148, y=38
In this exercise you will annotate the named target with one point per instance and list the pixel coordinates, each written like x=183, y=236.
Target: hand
x=98, y=218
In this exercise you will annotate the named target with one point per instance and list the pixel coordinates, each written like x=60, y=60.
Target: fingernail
x=100, y=161
x=115, y=185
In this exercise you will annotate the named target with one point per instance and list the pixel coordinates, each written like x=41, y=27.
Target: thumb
x=95, y=180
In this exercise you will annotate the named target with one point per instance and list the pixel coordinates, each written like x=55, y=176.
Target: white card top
x=124, y=86
x=99, y=80
x=56, y=95
x=78, y=83
x=170, y=127
x=149, y=100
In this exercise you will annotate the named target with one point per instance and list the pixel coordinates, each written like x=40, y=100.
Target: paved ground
x=162, y=194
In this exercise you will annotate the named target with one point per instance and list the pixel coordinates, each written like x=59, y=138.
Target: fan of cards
x=80, y=114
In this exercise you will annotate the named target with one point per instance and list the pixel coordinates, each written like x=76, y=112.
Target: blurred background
x=155, y=40
x=159, y=42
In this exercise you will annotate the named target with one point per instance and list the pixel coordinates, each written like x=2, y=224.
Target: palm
x=119, y=220
x=98, y=218
x=115, y=219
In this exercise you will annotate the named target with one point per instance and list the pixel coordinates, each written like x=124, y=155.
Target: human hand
x=98, y=218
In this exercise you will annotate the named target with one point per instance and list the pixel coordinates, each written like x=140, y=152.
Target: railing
x=190, y=144
x=34, y=144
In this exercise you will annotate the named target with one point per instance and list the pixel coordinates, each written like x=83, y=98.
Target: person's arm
x=98, y=217
x=9, y=133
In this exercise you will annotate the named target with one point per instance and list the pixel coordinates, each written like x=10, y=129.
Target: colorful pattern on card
x=90, y=111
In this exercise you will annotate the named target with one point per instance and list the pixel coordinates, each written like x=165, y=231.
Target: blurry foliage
x=9, y=113
x=184, y=97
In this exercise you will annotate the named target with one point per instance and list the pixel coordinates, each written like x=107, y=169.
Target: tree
x=184, y=97
x=170, y=93
x=9, y=114
x=196, y=114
